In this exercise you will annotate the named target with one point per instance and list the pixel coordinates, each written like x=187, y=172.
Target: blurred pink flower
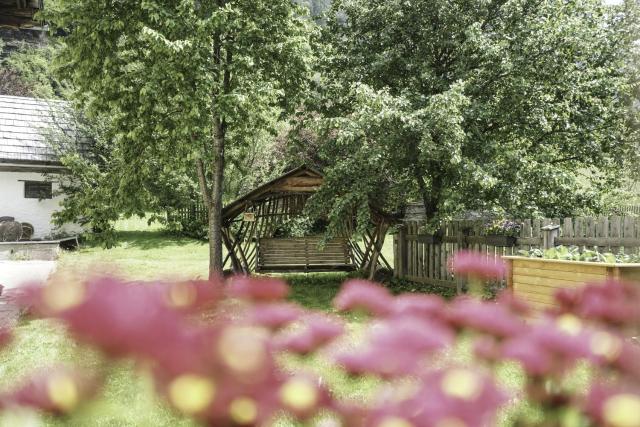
x=614, y=405
x=515, y=305
x=611, y=304
x=57, y=390
x=303, y=396
x=485, y=317
x=451, y=397
x=257, y=288
x=549, y=347
x=274, y=316
x=487, y=348
x=613, y=351
x=361, y=294
x=397, y=346
x=192, y=296
x=421, y=305
x=317, y=331
x=474, y=264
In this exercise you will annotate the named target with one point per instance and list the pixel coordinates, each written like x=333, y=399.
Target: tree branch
x=202, y=181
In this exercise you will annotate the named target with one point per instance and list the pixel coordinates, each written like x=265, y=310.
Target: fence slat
x=615, y=231
x=629, y=228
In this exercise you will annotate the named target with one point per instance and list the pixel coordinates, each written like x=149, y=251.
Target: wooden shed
x=250, y=235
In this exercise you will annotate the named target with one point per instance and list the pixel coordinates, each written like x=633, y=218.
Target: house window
x=37, y=190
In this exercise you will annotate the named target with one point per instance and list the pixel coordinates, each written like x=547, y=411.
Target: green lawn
x=148, y=253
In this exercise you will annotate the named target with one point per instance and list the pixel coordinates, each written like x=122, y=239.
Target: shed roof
x=25, y=125
x=303, y=179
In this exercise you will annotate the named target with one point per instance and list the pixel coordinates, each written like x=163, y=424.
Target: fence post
x=463, y=244
x=549, y=235
x=401, y=263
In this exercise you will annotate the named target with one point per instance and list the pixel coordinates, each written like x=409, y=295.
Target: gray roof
x=26, y=126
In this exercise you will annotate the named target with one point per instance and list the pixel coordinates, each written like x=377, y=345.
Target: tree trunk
x=431, y=195
x=215, y=209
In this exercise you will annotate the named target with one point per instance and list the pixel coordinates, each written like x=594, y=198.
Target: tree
x=26, y=71
x=500, y=104
x=317, y=7
x=92, y=178
x=184, y=82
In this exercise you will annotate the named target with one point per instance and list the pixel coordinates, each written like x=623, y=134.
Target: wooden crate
x=536, y=280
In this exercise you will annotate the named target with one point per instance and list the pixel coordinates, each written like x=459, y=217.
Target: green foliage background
x=519, y=106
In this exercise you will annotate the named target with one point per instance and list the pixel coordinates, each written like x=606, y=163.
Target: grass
x=145, y=253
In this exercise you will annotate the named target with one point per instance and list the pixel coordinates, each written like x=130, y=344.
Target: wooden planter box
x=501, y=241
x=536, y=280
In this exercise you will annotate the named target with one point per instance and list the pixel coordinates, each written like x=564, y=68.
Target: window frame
x=42, y=193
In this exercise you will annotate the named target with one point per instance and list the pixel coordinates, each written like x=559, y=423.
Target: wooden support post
x=377, y=241
x=549, y=236
x=230, y=249
x=400, y=263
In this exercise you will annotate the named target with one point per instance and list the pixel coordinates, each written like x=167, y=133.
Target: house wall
x=36, y=212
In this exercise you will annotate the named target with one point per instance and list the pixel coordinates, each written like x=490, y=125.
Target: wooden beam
x=378, y=246
x=230, y=249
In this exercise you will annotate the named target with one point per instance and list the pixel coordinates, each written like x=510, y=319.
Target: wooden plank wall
x=420, y=261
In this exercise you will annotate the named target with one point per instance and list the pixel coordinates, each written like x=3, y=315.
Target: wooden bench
x=303, y=254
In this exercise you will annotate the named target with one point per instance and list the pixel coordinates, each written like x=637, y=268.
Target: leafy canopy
x=150, y=68
x=514, y=105
x=183, y=83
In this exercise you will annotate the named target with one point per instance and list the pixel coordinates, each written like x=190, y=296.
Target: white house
x=25, y=156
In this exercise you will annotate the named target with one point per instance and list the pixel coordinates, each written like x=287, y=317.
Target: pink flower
x=535, y=361
x=303, y=396
x=57, y=390
x=455, y=396
x=474, y=264
x=397, y=346
x=274, y=316
x=223, y=399
x=613, y=303
x=487, y=348
x=361, y=294
x=485, y=317
x=614, y=405
x=549, y=347
x=318, y=330
x=613, y=351
x=257, y=289
x=192, y=296
x=126, y=320
x=515, y=305
x=421, y=305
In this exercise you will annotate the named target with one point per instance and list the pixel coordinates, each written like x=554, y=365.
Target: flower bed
x=216, y=352
x=536, y=280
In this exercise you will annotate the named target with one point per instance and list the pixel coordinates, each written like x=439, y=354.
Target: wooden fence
x=424, y=258
x=193, y=220
x=629, y=210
